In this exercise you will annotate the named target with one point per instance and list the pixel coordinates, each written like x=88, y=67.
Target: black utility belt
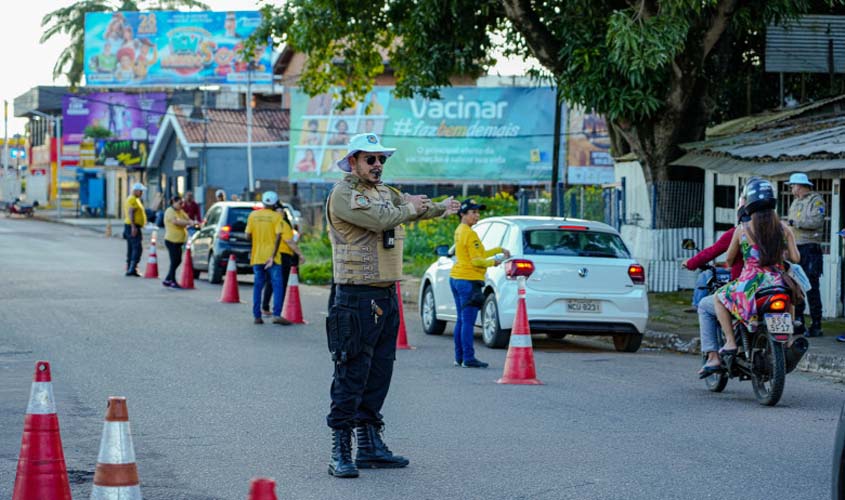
x=811, y=246
x=368, y=291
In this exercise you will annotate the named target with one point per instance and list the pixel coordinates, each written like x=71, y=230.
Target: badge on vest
x=361, y=201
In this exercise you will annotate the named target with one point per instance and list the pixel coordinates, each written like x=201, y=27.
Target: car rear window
x=237, y=218
x=579, y=243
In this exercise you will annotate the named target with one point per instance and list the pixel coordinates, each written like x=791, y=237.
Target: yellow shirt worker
x=467, y=281
x=134, y=222
x=176, y=222
x=264, y=227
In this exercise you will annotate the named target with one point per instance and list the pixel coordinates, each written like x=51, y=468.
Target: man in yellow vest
x=365, y=227
x=133, y=226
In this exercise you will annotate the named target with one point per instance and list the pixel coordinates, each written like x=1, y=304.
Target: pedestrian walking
x=133, y=225
x=365, y=228
x=806, y=218
x=467, y=281
x=264, y=228
x=176, y=220
x=290, y=255
x=192, y=209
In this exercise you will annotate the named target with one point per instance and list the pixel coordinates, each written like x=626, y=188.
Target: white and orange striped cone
x=293, y=306
x=152, y=261
x=230, y=285
x=519, y=364
x=402, y=336
x=262, y=488
x=187, y=281
x=116, y=475
x=42, y=472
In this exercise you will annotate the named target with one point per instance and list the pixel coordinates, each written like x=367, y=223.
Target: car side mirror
x=688, y=244
x=442, y=250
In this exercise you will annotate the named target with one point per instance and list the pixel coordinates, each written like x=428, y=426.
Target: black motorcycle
x=762, y=356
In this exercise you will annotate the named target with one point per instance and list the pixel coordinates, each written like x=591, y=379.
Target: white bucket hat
x=138, y=187
x=367, y=143
x=799, y=179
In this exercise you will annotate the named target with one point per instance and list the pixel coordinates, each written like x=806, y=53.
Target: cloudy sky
x=29, y=63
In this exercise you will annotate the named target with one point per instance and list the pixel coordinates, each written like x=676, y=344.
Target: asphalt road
x=215, y=400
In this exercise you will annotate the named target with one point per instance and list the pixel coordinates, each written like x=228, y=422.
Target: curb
x=821, y=364
x=94, y=229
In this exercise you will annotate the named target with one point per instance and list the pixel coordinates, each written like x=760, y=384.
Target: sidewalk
x=95, y=224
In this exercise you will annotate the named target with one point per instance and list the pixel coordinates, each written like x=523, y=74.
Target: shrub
x=316, y=273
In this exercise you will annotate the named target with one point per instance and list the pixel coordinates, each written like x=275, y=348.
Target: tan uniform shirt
x=358, y=215
x=807, y=216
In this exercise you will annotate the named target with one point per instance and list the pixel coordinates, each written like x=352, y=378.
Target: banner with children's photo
x=137, y=49
x=486, y=134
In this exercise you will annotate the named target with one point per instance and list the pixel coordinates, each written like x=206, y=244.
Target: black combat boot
x=373, y=453
x=342, y=464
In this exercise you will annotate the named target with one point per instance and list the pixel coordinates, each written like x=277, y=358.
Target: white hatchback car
x=581, y=280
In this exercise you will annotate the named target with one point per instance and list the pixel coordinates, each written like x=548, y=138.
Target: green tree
x=96, y=132
x=70, y=21
x=647, y=65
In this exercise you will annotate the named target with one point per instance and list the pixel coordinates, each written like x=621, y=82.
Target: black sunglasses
x=371, y=160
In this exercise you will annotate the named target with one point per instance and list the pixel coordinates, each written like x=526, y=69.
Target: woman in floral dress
x=763, y=241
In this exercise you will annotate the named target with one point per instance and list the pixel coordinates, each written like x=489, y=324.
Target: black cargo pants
x=811, y=261
x=362, y=327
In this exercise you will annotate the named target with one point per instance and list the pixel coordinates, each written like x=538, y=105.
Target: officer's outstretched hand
x=452, y=205
x=418, y=201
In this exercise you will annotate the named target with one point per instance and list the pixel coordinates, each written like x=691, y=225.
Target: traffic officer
x=365, y=227
x=806, y=217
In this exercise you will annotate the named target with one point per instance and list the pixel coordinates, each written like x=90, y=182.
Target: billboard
x=122, y=153
x=137, y=49
x=482, y=134
x=588, y=149
x=126, y=116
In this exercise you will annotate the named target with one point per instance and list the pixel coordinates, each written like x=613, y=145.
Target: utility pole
x=555, y=209
x=60, y=170
x=250, y=173
x=5, y=136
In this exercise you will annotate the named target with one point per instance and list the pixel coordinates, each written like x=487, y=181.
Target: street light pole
x=249, y=130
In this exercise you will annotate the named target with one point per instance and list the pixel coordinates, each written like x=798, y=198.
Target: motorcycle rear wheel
x=767, y=383
x=717, y=381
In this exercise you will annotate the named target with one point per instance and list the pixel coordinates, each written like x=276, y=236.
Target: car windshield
x=579, y=243
x=237, y=218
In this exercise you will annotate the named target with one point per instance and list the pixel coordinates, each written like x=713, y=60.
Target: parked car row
x=581, y=280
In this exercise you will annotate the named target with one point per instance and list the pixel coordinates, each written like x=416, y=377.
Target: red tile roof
x=228, y=126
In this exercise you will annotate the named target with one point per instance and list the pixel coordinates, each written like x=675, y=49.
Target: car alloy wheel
x=428, y=314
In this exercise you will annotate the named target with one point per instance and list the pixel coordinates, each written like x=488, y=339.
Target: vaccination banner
x=483, y=134
x=127, y=116
x=137, y=49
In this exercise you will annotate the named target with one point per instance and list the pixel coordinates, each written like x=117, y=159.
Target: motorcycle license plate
x=779, y=323
x=583, y=306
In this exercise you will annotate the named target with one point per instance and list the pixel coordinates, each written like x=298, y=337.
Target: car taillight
x=225, y=231
x=518, y=267
x=637, y=274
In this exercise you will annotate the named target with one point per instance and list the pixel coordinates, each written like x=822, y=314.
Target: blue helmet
x=759, y=195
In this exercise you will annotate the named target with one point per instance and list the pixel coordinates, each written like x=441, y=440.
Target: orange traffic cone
x=187, y=281
x=230, y=285
x=519, y=364
x=402, y=337
x=262, y=488
x=152, y=261
x=116, y=475
x=293, y=306
x=42, y=472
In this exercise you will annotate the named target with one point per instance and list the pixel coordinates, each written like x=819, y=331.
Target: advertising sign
x=486, y=134
x=122, y=153
x=588, y=149
x=136, y=49
x=126, y=116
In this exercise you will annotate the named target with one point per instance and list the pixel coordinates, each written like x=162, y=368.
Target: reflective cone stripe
x=187, y=281
x=402, y=336
x=41, y=471
x=152, y=262
x=230, y=293
x=293, y=305
x=116, y=475
x=519, y=364
x=262, y=488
